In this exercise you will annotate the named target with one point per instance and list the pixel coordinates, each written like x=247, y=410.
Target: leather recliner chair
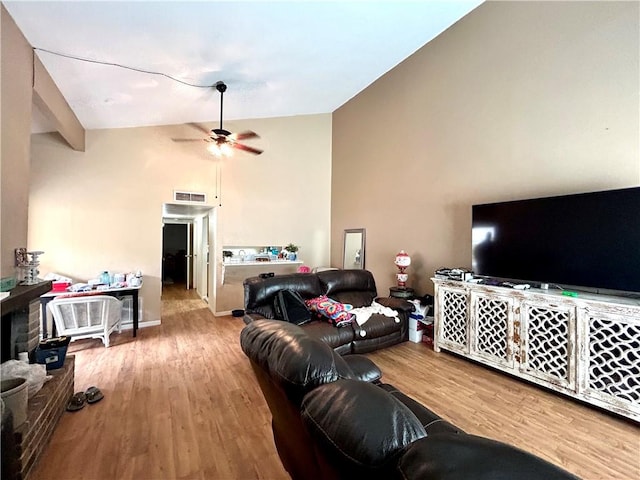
x=333, y=418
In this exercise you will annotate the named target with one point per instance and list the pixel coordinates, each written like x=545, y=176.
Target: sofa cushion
x=371, y=344
x=357, y=299
x=397, y=304
x=449, y=456
x=356, y=287
x=332, y=336
x=377, y=325
x=259, y=293
x=359, y=429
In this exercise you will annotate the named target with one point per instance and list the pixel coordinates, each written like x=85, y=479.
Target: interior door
x=203, y=258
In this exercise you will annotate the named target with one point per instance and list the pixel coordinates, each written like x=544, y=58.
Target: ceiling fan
x=222, y=141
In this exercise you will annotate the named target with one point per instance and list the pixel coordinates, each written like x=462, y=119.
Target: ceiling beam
x=50, y=101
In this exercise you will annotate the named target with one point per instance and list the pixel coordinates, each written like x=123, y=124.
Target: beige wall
x=518, y=99
x=16, y=72
x=282, y=196
x=22, y=84
x=102, y=209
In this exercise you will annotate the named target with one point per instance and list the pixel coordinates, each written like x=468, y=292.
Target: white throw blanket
x=363, y=314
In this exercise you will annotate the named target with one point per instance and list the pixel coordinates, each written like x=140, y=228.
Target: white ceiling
x=277, y=58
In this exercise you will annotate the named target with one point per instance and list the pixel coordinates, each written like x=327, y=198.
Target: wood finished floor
x=181, y=403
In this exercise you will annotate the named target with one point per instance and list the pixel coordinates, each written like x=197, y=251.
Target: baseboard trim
x=149, y=323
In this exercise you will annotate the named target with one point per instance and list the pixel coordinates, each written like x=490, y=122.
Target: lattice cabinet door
x=492, y=328
x=610, y=359
x=452, y=319
x=547, y=342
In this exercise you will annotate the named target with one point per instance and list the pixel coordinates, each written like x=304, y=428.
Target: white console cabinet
x=587, y=347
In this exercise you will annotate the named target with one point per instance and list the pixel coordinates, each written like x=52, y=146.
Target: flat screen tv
x=589, y=240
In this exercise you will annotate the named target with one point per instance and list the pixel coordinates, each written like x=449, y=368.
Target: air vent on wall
x=196, y=197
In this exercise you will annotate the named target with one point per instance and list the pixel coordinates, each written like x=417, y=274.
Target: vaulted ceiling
x=277, y=58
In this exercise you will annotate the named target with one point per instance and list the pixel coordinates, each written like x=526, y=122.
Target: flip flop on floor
x=93, y=395
x=76, y=402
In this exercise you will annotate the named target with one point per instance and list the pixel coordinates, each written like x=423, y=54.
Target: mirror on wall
x=353, y=248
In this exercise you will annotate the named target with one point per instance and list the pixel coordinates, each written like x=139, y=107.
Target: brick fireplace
x=44, y=411
x=24, y=330
x=21, y=320
x=21, y=333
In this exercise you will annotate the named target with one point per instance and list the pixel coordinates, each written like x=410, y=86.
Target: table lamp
x=403, y=260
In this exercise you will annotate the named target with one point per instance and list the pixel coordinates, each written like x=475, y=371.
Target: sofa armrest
x=363, y=368
x=247, y=318
x=399, y=304
x=431, y=421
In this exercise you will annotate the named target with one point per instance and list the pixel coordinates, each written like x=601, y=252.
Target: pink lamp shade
x=403, y=260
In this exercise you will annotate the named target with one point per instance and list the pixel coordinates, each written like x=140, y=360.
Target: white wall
x=102, y=209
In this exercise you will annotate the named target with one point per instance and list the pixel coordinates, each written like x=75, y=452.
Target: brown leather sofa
x=332, y=418
x=355, y=287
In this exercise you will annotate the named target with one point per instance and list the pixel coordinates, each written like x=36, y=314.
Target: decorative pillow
x=329, y=308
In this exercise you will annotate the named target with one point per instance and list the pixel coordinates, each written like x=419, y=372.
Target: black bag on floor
x=290, y=307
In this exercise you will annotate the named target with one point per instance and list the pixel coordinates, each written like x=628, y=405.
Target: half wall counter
x=239, y=263
x=236, y=272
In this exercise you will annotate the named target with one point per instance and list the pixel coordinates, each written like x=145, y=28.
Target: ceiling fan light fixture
x=220, y=150
x=214, y=149
x=225, y=150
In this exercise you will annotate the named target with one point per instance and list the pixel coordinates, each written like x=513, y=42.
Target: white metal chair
x=87, y=316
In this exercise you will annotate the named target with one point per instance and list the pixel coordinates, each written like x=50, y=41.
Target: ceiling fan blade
x=246, y=148
x=188, y=139
x=244, y=135
x=200, y=128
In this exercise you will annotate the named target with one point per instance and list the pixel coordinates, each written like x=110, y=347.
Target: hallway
x=177, y=299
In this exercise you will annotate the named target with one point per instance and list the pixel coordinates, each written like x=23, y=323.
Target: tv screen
x=582, y=240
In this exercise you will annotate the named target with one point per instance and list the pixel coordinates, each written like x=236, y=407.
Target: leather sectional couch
x=333, y=418
x=354, y=287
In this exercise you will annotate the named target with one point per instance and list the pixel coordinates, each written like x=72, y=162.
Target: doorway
x=177, y=245
x=186, y=236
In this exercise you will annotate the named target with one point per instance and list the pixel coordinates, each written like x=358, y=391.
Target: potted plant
x=291, y=249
